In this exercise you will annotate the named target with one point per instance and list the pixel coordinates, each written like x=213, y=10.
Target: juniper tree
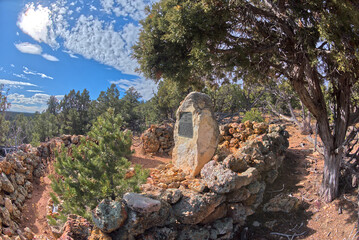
x=307, y=43
x=98, y=168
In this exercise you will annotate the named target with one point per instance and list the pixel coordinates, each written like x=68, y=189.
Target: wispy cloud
x=31, y=72
x=26, y=47
x=145, y=87
x=70, y=54
x=20, y=76
x=50, y=57
x=11, y=83
x=12, y=65
x=35, y=91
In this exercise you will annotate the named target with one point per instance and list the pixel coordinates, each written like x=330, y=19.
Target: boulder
x=164, y=233
x=194, y=232
x=141, y=204
x=97, y=234
x=223, y=180
x=236, y=164
x=6, y=184
x=138, y=222
x=8, y=205
x=195, y=133
x=194, y=207
x=222, y=229
x=109, y=215
x=281, y=203
x=76, y=228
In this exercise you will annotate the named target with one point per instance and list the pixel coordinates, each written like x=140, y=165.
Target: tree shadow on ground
x=291, y=173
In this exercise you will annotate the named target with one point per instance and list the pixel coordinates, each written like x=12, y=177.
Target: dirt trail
x=300, y=176
x=35, y=208
x=34, y=212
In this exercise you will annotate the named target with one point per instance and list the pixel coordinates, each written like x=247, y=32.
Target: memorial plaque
x=185, y=127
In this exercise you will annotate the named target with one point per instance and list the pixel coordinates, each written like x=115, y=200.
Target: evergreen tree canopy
x=97, y=168
x=74, y=112
x=307, y=43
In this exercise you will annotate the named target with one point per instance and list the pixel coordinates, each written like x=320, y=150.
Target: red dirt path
x=299, y=176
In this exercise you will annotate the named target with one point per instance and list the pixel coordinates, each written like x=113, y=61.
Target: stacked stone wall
x=18, y=171
x=213, y=205
x=234, y=135
x=158, y=139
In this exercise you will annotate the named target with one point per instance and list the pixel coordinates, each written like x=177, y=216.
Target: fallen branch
x=275, y=191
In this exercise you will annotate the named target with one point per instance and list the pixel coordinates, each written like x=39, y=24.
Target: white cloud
x=37, y=98
x=50, y=57
x=26, y=47
x=91, y=37
x=93, y=8
x=107, y=5
x=131, y=8
x=36, y=49
x=15, y=83
x=37, y=23
x=12, y=65
x=34, y=91
x=96, y=40
x=20, y=76
x=145, y=87
x=31, y=72
x=70, y=54
x=17, y=34
x=29, y=109
x=36, y=102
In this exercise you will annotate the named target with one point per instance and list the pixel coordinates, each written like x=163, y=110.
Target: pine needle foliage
x=97, y=168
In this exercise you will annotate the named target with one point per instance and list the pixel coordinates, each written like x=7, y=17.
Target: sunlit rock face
x=195, y=134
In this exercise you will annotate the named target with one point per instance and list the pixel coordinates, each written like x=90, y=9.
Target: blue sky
x=52, y=46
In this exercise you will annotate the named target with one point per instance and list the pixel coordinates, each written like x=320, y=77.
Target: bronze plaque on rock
x=185, y=127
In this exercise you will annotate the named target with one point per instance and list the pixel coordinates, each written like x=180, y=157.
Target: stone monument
x=195, y=134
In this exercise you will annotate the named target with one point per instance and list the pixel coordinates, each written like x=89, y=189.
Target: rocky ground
x=299, y=176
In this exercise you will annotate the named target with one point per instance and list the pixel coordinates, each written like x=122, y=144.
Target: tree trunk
x=330, y=181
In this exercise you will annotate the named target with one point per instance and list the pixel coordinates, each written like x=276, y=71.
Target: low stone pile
x=158, y=139
x=17, y=172
x=213, y=205
x=233, y=135
x=47, y=149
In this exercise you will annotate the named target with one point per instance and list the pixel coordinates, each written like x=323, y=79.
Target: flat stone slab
x=141, y=204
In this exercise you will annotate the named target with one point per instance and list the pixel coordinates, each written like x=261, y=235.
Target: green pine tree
x=97, y=168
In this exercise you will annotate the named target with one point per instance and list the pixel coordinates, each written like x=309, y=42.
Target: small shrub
x=253, y=115
x=98, y=168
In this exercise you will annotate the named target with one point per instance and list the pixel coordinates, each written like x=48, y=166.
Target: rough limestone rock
x=164, y=233
x=221, y=179
x=109, y=215
x=141, y=204
x=195, y=134
x=6, y=184
x=194, y=232
x=137, y=223
x=281, y=203
x=96, y=234
x=194, y=207
x=77, y=228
